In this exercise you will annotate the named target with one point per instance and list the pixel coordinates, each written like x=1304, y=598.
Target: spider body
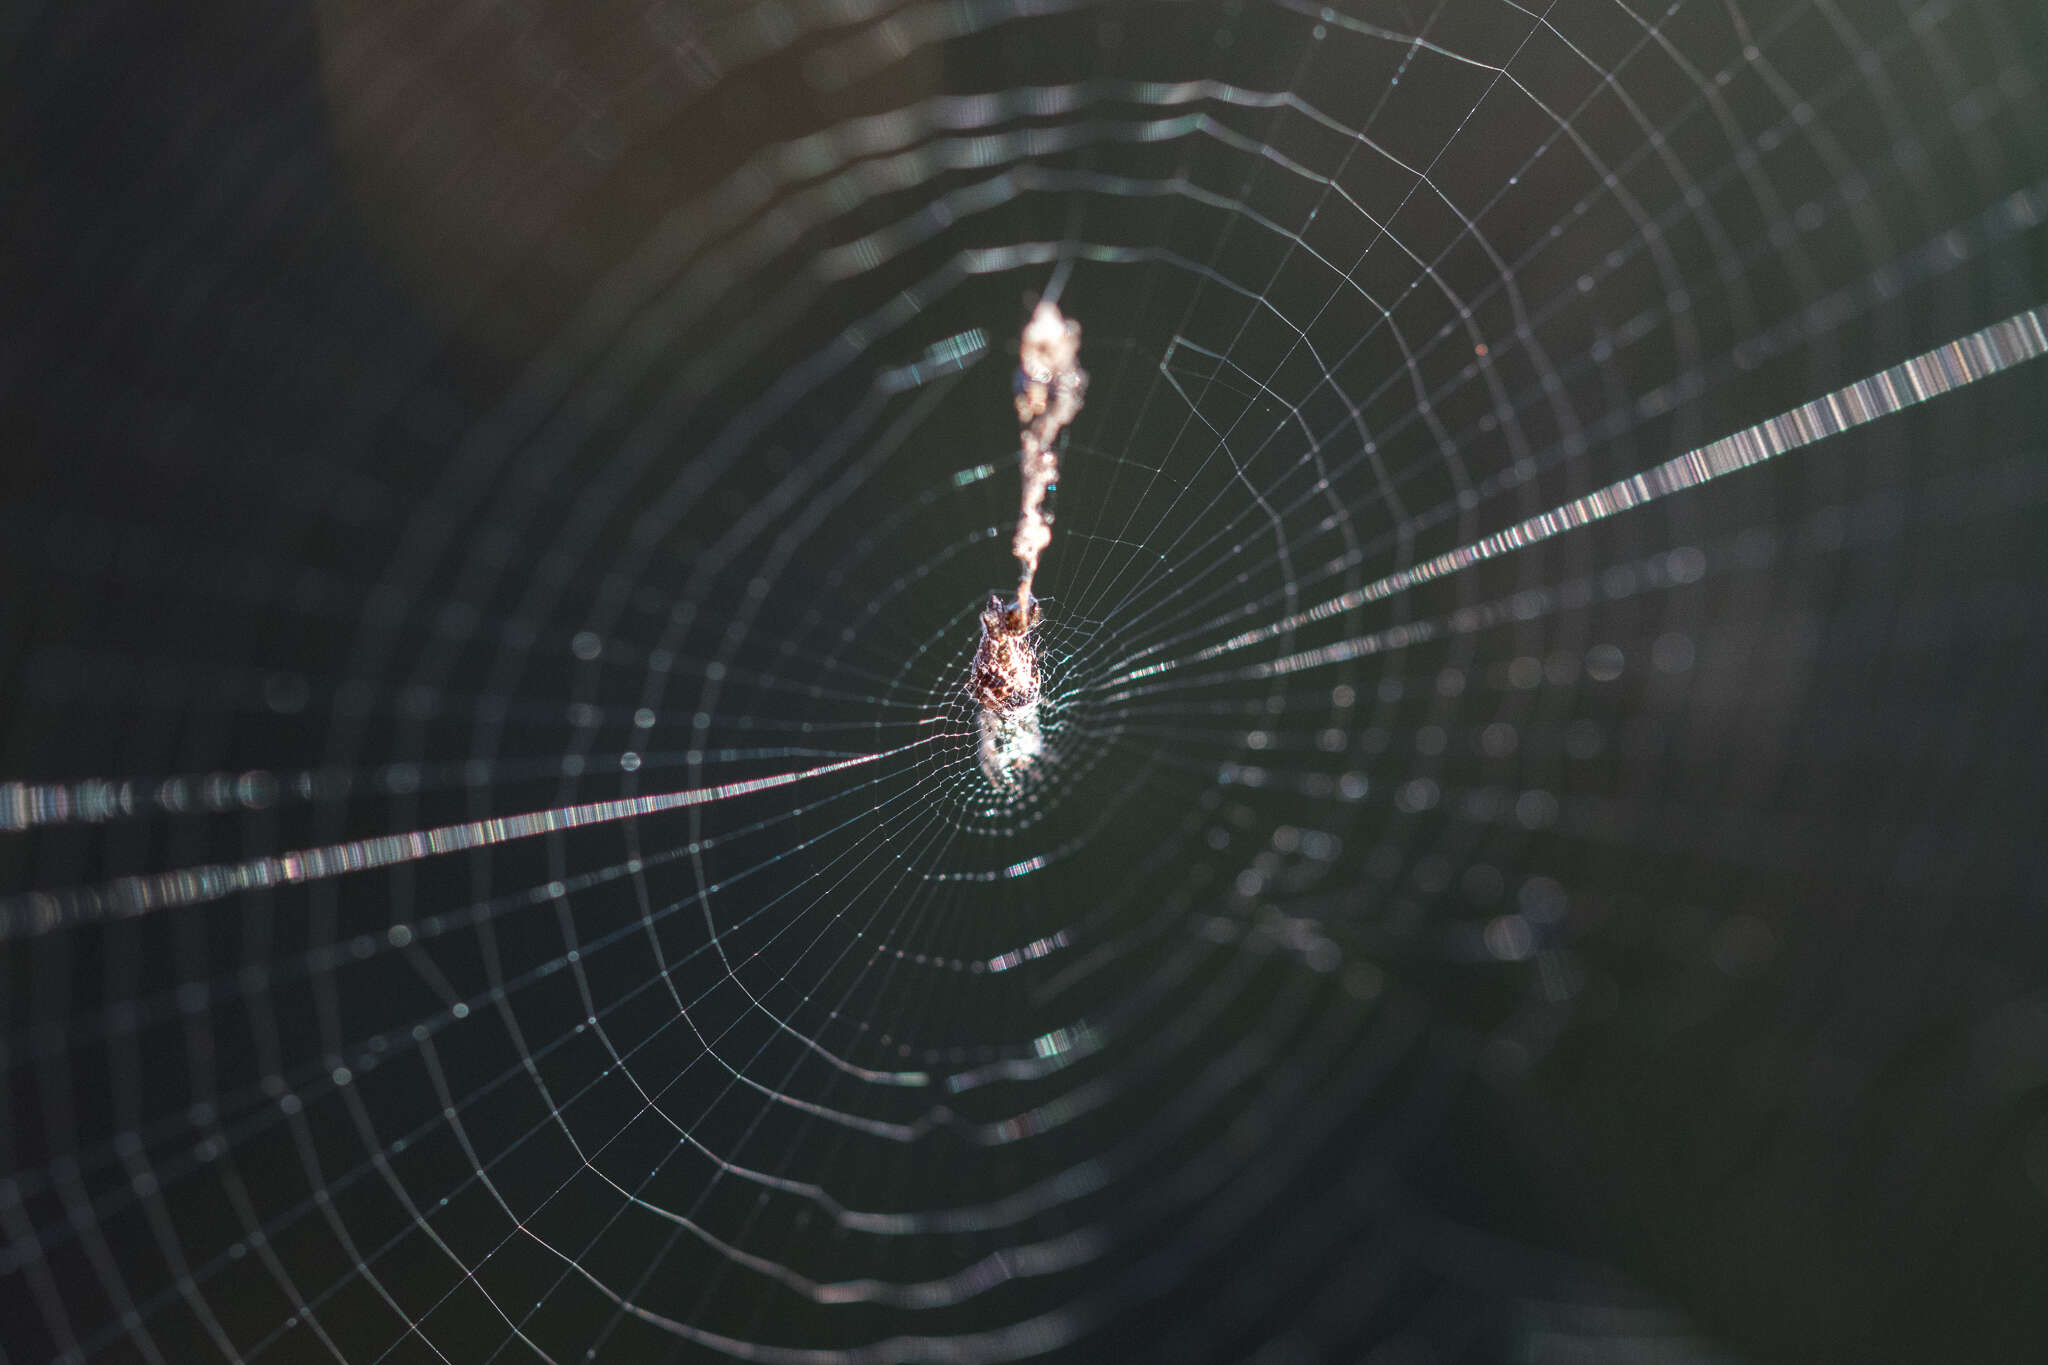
x=1005, y=672
x=1004, y=684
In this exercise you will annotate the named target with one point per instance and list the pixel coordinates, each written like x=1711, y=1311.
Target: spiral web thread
x=629, y=953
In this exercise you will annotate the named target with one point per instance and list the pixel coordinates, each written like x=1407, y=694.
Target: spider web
x=1541, y=677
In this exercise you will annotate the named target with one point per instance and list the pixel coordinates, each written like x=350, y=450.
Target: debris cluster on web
x=1004, y=682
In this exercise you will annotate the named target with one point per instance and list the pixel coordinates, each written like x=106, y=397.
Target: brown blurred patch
x=506, y=155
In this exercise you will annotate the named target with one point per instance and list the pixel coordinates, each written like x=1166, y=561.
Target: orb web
x=1504, y=830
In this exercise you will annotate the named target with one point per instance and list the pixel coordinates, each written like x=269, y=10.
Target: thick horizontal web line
x=102, y=800
x=41, y=911
x=1981, y=354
